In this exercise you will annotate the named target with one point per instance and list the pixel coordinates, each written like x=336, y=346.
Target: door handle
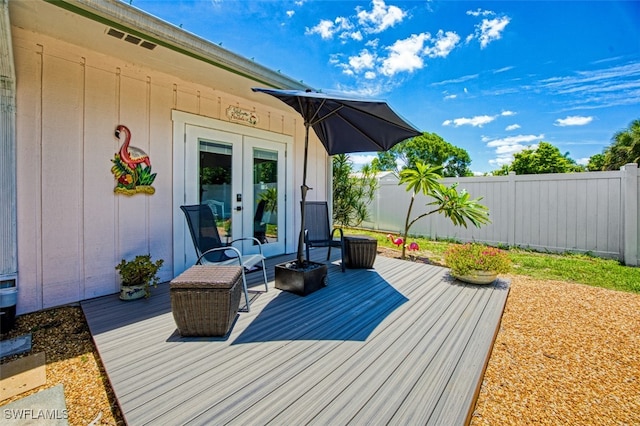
x=238, y=208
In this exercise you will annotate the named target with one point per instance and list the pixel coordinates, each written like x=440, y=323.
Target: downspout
x=8, y=201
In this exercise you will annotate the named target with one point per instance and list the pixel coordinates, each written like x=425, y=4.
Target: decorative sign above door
x=131, y=176
x=244, y=115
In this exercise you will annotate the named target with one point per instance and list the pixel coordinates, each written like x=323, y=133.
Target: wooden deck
x=402, y=343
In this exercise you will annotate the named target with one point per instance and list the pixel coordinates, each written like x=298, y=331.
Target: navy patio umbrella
x=343, y=125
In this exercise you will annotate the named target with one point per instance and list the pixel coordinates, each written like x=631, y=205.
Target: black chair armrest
x=237, y=252
x=255, y=240
x=339, y=230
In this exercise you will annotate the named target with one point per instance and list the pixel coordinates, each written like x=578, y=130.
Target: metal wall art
x=131, y=167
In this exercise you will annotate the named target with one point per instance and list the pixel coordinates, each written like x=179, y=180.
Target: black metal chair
x=211, y=250
x=317, y=231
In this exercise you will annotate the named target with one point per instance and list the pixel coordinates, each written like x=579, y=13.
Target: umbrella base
x=301, y=281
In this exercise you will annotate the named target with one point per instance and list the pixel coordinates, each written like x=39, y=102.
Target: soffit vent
x=131, y=39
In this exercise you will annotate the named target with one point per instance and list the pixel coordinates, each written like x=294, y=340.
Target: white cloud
x=361, y=159
x=373, y=43
x=512, y=149
x=447, y=97
x=512, y=127
x=477, y=121
x=365, y=60
x=573, y=120
x=290, y=13
x=514, y=140
x=583, y=161
x=501, y=70
x=356, y=35
x=380, y=17
x=327, y=29
x=501, y=161
x=370, y=75
x=457, y=80
x=507, y=147
x=480, y=12
x=490, y=30
x=405, y=55
x=443, y=45
x=605, y=87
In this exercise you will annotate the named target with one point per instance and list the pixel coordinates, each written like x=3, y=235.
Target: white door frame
x=185, y=191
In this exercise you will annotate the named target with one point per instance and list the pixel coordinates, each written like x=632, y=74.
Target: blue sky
x=490, y=77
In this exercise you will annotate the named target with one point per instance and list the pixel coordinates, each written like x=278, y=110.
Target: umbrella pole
x=303, y=189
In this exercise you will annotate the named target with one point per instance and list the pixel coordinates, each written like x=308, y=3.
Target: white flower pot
x=132, y=292
x=477, y=277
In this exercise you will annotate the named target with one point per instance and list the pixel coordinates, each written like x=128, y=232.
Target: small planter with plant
x=137, y=276
x=476, y=263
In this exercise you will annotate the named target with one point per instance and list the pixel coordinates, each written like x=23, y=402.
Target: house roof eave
x=116, y=14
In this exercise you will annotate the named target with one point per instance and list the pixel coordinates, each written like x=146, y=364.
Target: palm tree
x=625, y=148
x=457, y=206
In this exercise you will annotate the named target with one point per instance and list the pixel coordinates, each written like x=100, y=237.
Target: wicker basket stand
x=205, y=299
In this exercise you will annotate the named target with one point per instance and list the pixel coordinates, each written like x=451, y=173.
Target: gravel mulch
x=565, y=354
x=72, y=360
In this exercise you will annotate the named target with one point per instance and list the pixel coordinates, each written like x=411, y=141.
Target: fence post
x=511, y=210
x=630, y=213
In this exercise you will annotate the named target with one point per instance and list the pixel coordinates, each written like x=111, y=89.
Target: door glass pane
x=265, y=190
x=215, y=183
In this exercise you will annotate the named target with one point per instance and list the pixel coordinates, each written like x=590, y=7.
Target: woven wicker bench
x=205, y=299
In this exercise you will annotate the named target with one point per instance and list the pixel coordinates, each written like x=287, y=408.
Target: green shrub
x=140, y=271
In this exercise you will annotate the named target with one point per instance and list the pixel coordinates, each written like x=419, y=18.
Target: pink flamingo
x=397, y=241
x=130, y=155
x=413, y=246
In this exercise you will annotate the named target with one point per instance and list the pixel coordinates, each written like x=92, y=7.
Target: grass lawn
x=578, y=268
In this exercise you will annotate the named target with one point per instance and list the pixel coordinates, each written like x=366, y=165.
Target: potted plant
x=476, y=263
x=137, y=275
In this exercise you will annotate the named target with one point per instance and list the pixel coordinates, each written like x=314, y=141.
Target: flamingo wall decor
x=131, y=167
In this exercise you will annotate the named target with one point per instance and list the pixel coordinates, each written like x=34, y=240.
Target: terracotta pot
x=478, y=277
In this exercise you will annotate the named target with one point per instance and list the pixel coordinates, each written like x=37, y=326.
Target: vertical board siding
x=62, y=188
x=72, y=228
x=99, y=210
x=160, y=216
x=557, y=212
x=132, y=218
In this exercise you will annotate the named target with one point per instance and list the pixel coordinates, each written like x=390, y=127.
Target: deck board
x=402, y=343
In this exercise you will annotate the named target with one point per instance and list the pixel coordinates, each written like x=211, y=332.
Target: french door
x=242, y=179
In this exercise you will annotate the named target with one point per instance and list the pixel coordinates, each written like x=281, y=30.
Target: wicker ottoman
x=205, y=299
x=360, y=252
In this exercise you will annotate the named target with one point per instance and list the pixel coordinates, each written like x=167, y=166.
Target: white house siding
x=72, y=228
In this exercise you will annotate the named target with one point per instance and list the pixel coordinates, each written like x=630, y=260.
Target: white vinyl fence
x=595, y=212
